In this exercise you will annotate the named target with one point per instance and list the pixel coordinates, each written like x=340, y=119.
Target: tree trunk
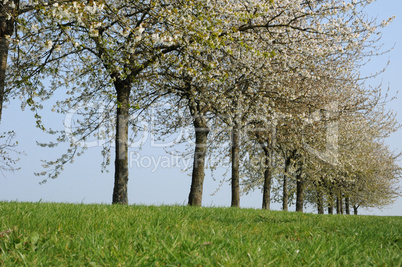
x=320, y=201
x=331, y=202
x=285, y=196
x=235, y=165
x=341, y=202
x=120, y=195
x=299, y=191
x=299, y=195
x=338, y=205
x=266, y=191
x=355, y=209
x=347, y=206
x=6, y=29
x=3, y=68
x=330, y=207
x=320, y=195
x=197, y=179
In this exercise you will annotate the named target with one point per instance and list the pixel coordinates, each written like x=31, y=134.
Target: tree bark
x=285, y=196
x=235, y=165
x=6, y=29
x=347, y=206
x=197, y=179
x=120, y=195
x=331, y=207
x=331, y=201
x=320, y=201
x=299, y=195
x=299, y=191
x=266, y=191
x=338, y=205
x=355, y=209
x=3, y=67
x=320, y=195
x=341, y=202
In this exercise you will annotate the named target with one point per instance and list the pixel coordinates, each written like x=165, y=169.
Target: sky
x=152, y=178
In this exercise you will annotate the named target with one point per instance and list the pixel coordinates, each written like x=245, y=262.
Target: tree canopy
x=277, y=80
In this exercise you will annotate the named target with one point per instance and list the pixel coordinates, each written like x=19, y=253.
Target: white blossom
x=49, y=44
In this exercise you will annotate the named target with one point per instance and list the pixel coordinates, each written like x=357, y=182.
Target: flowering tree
x=100, y=50
x=222, y=59
x=9, y=18
x=369, y=171
x=97, y=51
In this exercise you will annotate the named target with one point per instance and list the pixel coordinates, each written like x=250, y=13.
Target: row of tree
x=273, y=85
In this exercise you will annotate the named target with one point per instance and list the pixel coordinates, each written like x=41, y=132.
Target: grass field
x=35, y=234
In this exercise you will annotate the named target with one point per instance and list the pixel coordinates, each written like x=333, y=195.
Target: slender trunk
x=235, y=165
x=331, y=197
x=299, y=191
x=320, y=201
x=320, y=196
x=197, y=179
x=120, y=195
x=299, y=195
x=3, y=67
x=266, y=191
x=347, y=205
x=331, y=202
x=338, y=205
x=285, y=196
x=6, y=29
x=355, y=209
x=331, y=208
x=341, y=202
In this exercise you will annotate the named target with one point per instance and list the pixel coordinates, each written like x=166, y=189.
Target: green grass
x=35, y=234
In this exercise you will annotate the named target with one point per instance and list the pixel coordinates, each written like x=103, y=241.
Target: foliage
x=8, y=152
x=282, y=74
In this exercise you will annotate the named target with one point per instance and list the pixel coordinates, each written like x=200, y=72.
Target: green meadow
x=50, y=234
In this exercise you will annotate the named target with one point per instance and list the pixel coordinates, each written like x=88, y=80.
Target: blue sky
x=83, y=182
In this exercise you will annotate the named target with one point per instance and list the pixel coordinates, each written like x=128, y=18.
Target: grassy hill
x=35, y=234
